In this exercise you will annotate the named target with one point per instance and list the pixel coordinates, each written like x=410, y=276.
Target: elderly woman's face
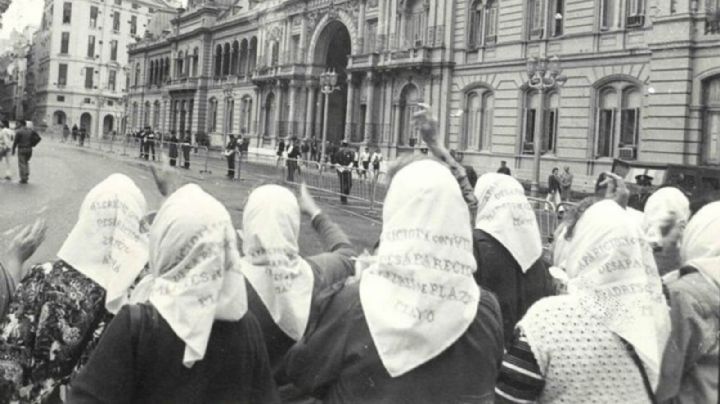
x=665, y=233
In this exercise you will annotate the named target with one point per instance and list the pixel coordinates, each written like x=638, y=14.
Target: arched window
x=146, y=114
x=617, y=128
x=226, y=60
x=229, y=116
x=711, y=120
x=151, y=77
x=179, y=64
x=478, y=120
x=212, y=115
x=218, y=60
x=413, y=23
x=195, y=61
x=531, y=117
x=234, y=58
x=137, y=74
x=167, y=68
x=476, y=24
x=243, y=58
x=252, y=54
x=409, y=99
x=134, y=119
x=270, y=115
x=274, y=53
x=156, y=115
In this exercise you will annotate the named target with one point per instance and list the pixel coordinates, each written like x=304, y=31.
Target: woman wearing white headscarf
x=605, y=338
x=60, y=309
x=416, y=328
x=284, y=285
x=191, y=341
x=666, y=213
x=690, y=365
x=508, y=248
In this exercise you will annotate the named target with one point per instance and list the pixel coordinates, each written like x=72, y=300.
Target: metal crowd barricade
x=547, y=217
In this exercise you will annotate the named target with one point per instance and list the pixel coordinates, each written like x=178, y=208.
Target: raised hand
x=166, y=178
x=307, y=202
x=616, y=189
x=23, y=246
x=427, y=124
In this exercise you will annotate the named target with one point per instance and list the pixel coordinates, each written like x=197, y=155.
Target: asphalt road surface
x=61, y=175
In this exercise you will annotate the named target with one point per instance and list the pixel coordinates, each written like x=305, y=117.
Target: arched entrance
x=86, y=122
x=59, y=118
x=108, y=124
x=332, y=50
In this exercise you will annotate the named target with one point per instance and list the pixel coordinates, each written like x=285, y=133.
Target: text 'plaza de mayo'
x=641, y=78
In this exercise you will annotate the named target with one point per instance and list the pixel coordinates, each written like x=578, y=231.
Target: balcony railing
x=433, y=38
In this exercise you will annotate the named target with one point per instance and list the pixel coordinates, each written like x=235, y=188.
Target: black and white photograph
x=359, y=201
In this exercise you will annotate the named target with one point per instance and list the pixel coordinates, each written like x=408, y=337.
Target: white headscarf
x=195, y=265
x=282, y=279
x=663, y=206
x=700, y=247
x=419, y=296
x=106, y=244
x=612, y=269
x=505, y=213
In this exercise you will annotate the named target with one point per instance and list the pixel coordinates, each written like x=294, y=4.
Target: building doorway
x=332, y=51
x=86, y=123
x=108, y=124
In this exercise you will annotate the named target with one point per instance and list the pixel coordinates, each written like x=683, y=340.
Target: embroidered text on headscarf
x=283, y=280
x=106, y=244
x=195, y=266
x=505, y=213
x=612, y=268
x=419, y=295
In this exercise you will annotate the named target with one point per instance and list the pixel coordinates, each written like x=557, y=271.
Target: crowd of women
x=456, y=304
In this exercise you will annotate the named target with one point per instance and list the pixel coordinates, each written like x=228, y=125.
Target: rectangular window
x=93, y=16
x=537, y=20
x=87, y=100
x=67, y=13
x=558, y=16
x=65, y=43
x=133, y=25
x=297, y=54
x=118, y=2
x=629, y=125
x=491, y=17
x=112, y=78
x=551, y=127
x=91, y=46
x=635, y=13
x=89, y=77
x=135, y=6
x=113, y=50
x=606, y=122
x=476, y=25
x=60, y=98
x=62, y=74
x=370, y=36
x=607, y=11
x=116, y=21
x=529, y=131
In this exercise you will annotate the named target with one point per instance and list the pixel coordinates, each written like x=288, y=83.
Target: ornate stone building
x=643, y=77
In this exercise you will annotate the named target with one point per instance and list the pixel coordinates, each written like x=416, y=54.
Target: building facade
x=81, y=60
x=643, y=77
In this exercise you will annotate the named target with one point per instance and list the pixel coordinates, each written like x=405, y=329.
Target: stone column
x=369, y=107
x=349, y=109
x=291, y=110
x=310, y=105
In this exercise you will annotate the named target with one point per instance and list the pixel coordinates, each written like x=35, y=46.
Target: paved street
x=61, y=175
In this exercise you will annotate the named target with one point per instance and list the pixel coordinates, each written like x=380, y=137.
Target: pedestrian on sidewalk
x=305, y=149
x=149, y=141
x=75, y=133
x=294, y=152
x=554, y=189
x=186, y=146
x=314, y=155
x=230, y=154
x=344, y=159
x=566, y=180
x=140, y=136
x=65, y=133
x=83, y=134
x=7, y=137
x=25, y=139
x=280, y=151
x=173, y=149
x=504, y=169
x=376, y=159
x=365, y=161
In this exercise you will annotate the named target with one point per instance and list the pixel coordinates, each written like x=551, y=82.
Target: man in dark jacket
x=25, y=139
x=149, y=143
x=75, y=133
x=173, y=148
x=344, y=158
x=83, y=135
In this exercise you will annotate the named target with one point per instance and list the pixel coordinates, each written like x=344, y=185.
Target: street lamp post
x=328, y=84
x=544, y=74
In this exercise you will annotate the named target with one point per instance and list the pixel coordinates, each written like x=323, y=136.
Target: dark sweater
x=329, y=268
x=338, y=362
x=499, y=272
x=142, y=363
